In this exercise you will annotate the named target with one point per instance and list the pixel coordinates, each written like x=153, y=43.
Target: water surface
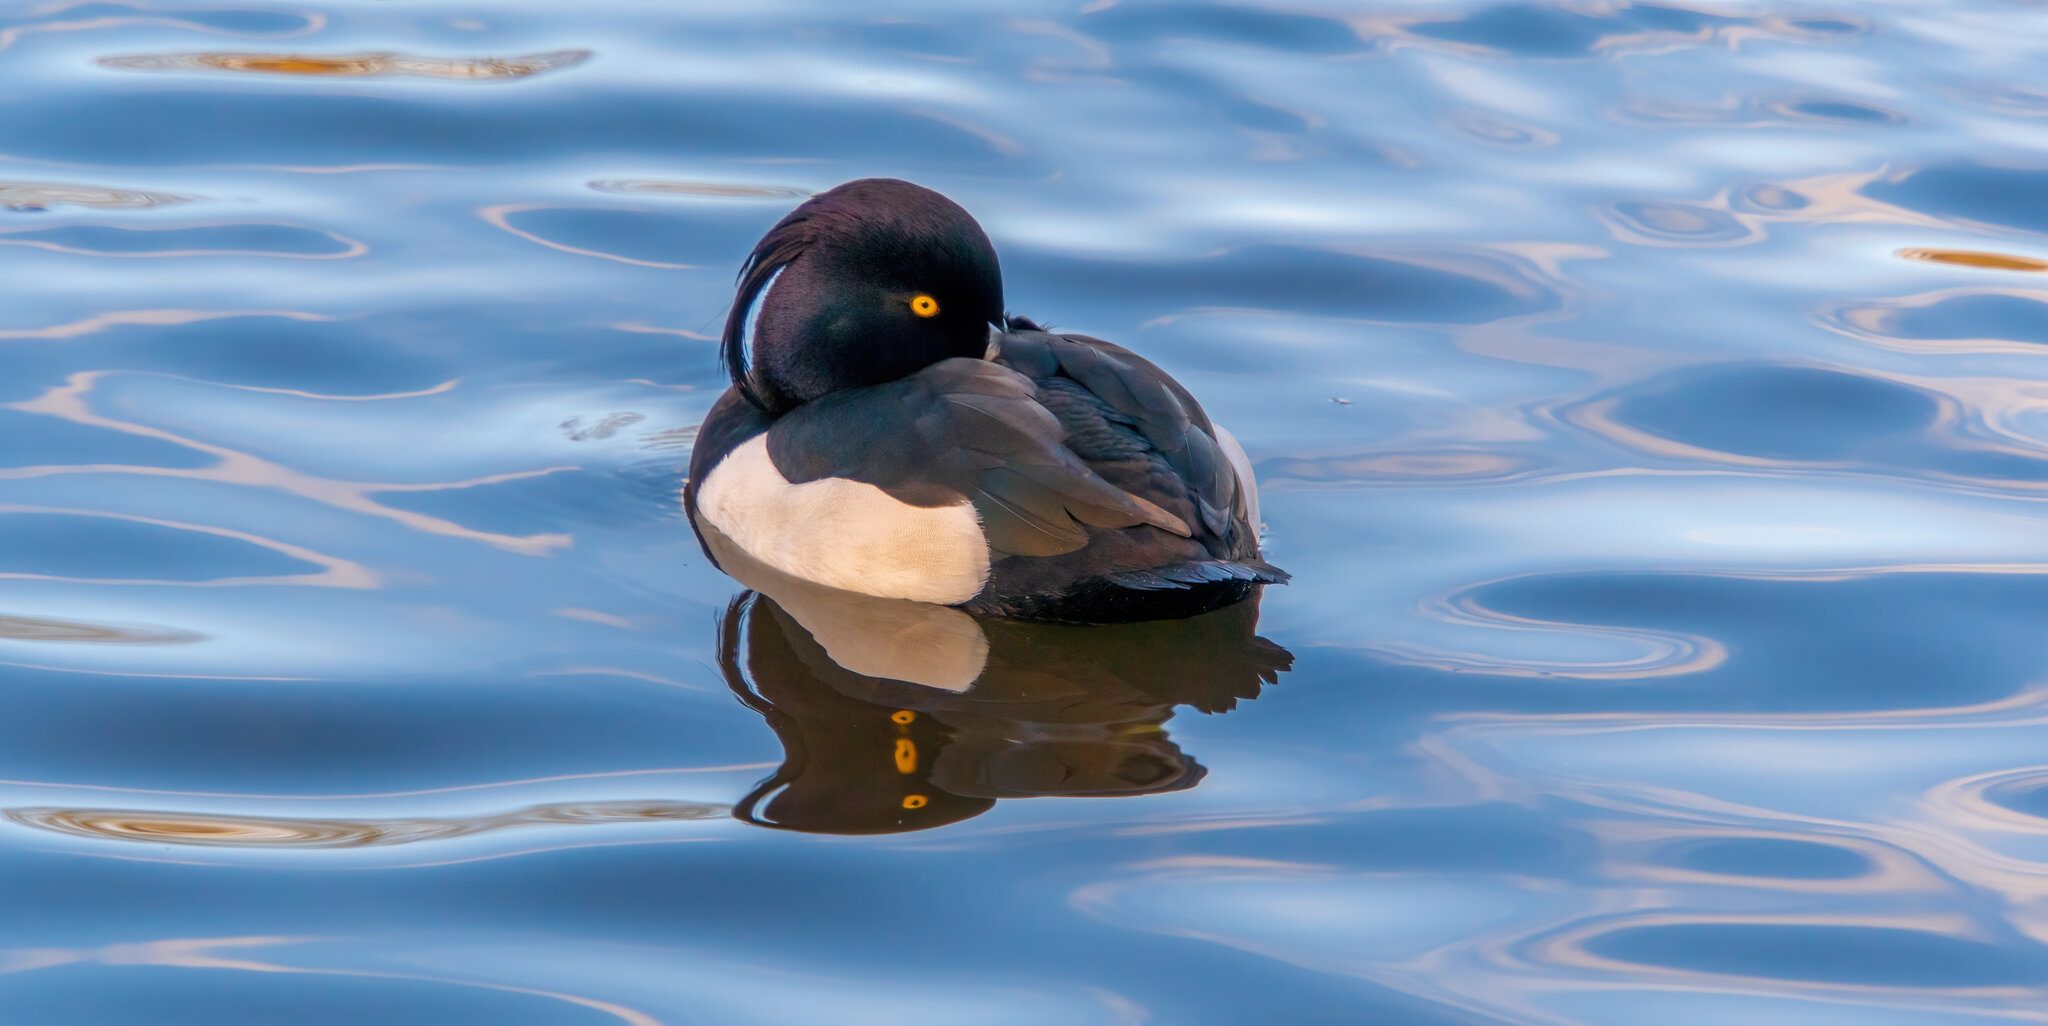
x=1651, y=401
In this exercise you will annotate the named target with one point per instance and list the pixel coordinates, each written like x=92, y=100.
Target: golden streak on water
x=43, y=628
x=226, y=831
x=44, y=195
x=354, y=65
x=1975, y=258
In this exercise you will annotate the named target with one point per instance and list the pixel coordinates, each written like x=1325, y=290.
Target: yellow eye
x=924, y=306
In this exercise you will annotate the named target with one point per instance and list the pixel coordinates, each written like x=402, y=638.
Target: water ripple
x=156, y=826
x=2011, y=197
x=14, y=627
x=1545, y=32
x=1776, y=858
x=1871, y=955
x=31, y=196
x=96, y=15
x=602, y=222
x=1762, y=414
x=1648, y=395
x=247, y=239
x=1676, y=224
x=711, y=190
x=356, y=65
x=1982, y=319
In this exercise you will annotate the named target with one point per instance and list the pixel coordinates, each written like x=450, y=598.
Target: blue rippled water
x=1651, y=400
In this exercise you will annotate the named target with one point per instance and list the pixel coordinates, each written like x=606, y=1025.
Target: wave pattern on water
x=1651, y=399
x=160, y=827
x=358, y=65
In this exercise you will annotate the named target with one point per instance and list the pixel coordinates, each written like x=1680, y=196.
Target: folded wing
x=964, y=430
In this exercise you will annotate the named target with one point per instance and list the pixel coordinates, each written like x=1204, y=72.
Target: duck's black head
x=865, y=283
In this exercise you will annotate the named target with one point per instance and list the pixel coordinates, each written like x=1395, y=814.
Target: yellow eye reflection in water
x=915, y=801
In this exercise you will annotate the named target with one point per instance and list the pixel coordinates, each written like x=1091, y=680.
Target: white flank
x=1241, y=463
x=845, y=534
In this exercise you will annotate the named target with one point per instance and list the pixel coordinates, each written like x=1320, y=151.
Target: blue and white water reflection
x=1652, y=400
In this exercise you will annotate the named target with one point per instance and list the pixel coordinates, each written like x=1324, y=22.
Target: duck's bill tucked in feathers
x=862, y=284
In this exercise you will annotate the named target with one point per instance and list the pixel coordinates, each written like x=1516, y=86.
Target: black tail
x=1194, y=573
x=1160, y=593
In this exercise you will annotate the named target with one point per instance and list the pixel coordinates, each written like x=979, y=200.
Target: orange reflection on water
x=230, y=831
x=1976, y=258
x=354, y=65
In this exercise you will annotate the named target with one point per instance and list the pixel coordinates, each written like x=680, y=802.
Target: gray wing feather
x=1023, y=518
x=1144, y=397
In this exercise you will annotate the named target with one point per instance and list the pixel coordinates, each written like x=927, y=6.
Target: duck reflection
x=898, y=716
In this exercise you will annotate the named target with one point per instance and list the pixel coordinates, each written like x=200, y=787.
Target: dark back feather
x=1139, y=416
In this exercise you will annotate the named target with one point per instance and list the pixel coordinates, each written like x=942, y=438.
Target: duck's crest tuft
x=783, y=243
